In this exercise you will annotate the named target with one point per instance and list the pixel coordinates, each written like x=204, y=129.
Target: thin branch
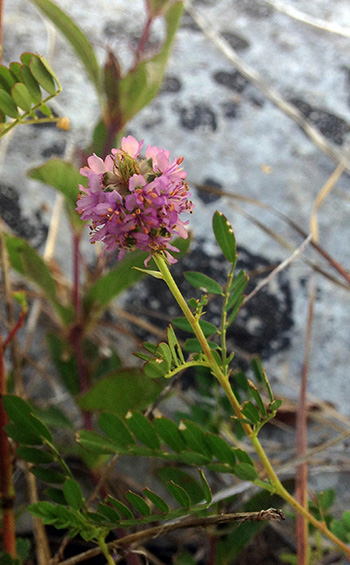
x=279, y=268
x=301, y=437
x=271, y=514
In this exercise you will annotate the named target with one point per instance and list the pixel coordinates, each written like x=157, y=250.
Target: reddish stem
x=142, y=43
x=77, y=331
x=7, y=493
x=14, y=330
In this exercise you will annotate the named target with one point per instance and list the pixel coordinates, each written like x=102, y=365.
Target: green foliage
x=21, y=88
x=28, y=263
x=225, y=237
x=187, y=443
x=120, y=391
x=65, y=178
x=74, y=516
x=142, y=83
x=75, y=36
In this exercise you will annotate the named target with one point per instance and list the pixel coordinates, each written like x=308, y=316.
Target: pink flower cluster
x=135, y=203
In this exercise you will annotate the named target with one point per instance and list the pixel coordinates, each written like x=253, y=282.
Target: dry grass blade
x=309, y=20
x=271, y=93
x=322, y=195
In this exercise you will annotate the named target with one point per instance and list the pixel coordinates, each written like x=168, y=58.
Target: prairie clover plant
x=136, y=203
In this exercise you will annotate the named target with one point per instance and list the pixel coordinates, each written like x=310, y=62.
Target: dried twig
x=279, y=268
x=272, y=514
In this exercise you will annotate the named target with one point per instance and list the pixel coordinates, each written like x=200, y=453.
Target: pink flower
x=135, y=203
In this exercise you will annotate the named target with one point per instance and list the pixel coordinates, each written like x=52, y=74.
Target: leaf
x=20, y=413
x=7, y=105
x=22, y=97
x=250, y=412
x=326, y=499
x=184, y=480
x=220, y=449
x=142, y=428
x=95, y=442
x=26, y=261
x=141, y=85
x=124, y=510
x=168, y=431
x=203, y=282
x=111, y=514
x=237, y=288
x=55, y=494
x=194, y=437
x=275, y=405
x=48, y=475
x=138, y=502
x=205, y=487
x=345, y=518
x=120, y=391
x=72, y=494
x=225, y=237
x=245, y=472
x=192, y=345
x=207, y=328
x=175, y=347
x=7, y=79
x=155, y=368
x=42, y=75
x=75, y=36
x=256, y=395
x=33, y=455
x=156, y=500
x=31, y=84
x=179, y=494
x=65, y=178
x=258, y=369
x=114, y=428
x=22, y=435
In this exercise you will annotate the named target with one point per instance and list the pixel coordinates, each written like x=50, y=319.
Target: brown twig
x=271, y=514
x=301, y=438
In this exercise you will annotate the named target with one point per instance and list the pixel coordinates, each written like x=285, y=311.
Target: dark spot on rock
x=347, y=73
x=57, y=150
x=12, y=214
x=197, y=116
x=237, y=42
x=111, y=29
x=331, y=126
x=262, y=327
x=256, y=100
x=233, y=81
x=205, y=194
x=254, y=8
x=171, y=84
x=230, y=110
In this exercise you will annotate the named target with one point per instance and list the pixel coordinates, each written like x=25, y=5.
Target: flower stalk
x=252, y=434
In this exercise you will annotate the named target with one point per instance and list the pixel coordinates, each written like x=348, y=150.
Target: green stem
x=104, y=549
x=224, y=381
